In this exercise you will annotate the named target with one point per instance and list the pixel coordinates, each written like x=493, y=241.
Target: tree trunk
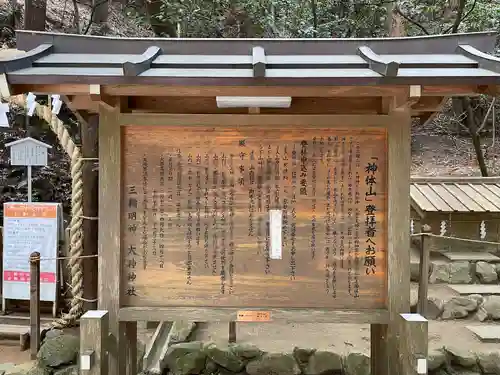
x=476, y=140
x=101, y=11
x=34, y=15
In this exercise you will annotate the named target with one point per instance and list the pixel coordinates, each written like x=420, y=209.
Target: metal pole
x=29, y=184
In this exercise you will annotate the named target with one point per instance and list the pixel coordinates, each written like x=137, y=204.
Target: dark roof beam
x=377, y=64
x=484, y=60
x=259, y=62
x=25, y=60
x=142, y=63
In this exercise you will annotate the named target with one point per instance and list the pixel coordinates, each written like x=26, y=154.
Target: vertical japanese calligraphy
x=206, y=211
x=215, y=175
x=350, y=198
x=370, y=217
x=328, y=221
x=335, y=233
x=130, y=258
x=145, y=187
x=285, y=197
x=293, y=224
x=189, y=230
x=161, y=230
x=342, y=202
x=198, y=199
x=313, y=204
x=179, y=187
x=231, y=224
x=357, y=201
x=223, y=232
x=260, y=179
x=196, y=207
x=267, y=208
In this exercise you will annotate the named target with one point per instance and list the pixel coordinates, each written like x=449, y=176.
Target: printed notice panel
x=30, y=227
x=196, y=227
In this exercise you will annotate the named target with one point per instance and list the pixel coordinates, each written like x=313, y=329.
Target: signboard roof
x=64, y=58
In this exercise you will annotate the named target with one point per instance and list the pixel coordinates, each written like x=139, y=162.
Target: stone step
x=484, y=289
x=486, y=333
x=21, y=331
x=471, y=256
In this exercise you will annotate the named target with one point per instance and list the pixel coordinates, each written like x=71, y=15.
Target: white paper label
x=275, y=234
x=422, y=366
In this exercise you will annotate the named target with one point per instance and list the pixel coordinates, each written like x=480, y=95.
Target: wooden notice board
x=195, y=217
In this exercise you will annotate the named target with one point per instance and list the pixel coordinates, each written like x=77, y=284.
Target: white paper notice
x=30, y=227
x=275, y=233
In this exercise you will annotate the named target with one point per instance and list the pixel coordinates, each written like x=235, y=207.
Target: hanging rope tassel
x=76, y=224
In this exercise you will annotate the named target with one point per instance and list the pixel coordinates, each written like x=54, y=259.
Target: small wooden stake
x=34, y=304
x=413, y=344
x=94, y=331
x=232, y=331
x=423, y=283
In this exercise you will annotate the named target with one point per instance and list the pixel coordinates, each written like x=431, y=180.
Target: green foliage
x=323, y=18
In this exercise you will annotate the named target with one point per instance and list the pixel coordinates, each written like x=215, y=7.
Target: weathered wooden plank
x=214, y=314
x=413, y=344
x=488, y=195
x=399, y=159
x=420, y=199
x=484, y=289
x=476, y=197
x=494, y=189
x=450, y=199
x=464, y=198
x=109, y=232
x=196, y=211
x=471, y=256
x=94, y=331
x=486, y=333
x=433, y=198
x=248, y=121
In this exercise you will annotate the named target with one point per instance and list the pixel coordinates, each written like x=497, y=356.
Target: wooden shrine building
x=460, y=207
x=256, y=180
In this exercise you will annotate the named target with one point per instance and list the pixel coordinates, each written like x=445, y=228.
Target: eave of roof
x=434, y=60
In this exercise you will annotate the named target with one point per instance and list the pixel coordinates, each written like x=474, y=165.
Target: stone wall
x=479, y=308
x=59, y=352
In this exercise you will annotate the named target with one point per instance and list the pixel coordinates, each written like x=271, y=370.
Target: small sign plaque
x=253, y=316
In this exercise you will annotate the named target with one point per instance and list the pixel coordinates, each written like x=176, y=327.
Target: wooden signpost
x=255, y=180
x=29, y=152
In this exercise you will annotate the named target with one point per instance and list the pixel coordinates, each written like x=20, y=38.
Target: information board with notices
x=30, y=227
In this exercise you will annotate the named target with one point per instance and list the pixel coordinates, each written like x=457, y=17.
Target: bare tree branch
x=396, y=8
x=483, y=124
x=461, y=19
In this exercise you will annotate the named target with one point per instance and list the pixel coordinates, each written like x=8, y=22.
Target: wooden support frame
x=413, y=344
x=94, y=328
x=385, y=325
x=109, y=274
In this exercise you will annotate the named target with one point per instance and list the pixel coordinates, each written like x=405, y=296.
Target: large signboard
x=30, y=227
x=249, y=217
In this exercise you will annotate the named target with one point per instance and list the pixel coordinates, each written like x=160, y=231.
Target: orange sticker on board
x=253, y=316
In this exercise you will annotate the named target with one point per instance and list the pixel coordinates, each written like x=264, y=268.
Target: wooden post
x=423, y=283
x=398, y=271
x=413, y=344
x=90, y=226
x=94, y=330
x=109, y=272
x=34, y=303
x=232, y=332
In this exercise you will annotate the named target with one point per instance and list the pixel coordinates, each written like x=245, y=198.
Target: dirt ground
x=341, y=338
x=345, y=338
